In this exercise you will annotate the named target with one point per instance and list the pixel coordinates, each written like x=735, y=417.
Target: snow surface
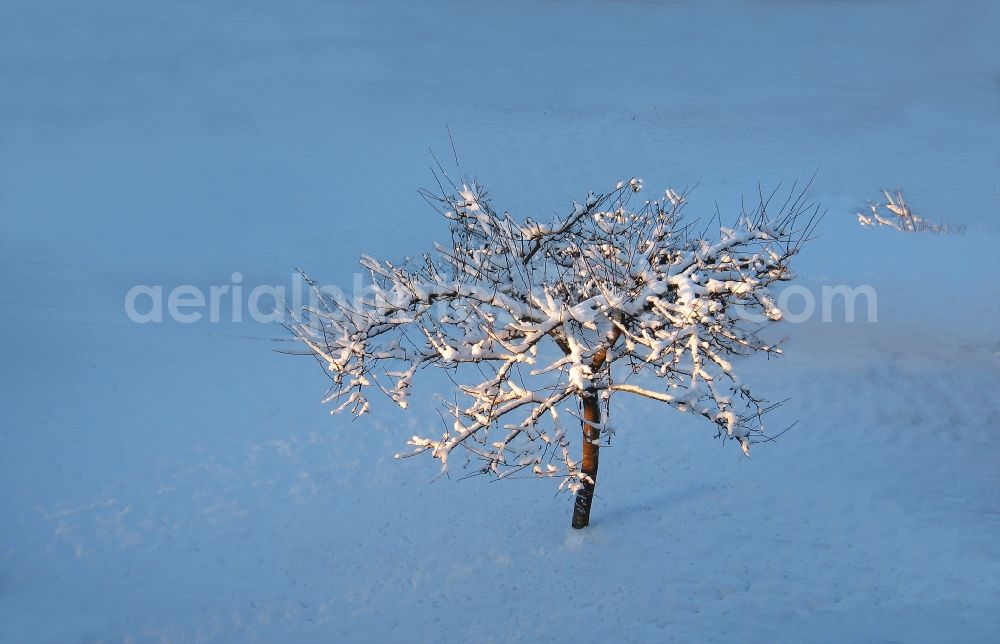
x=181, y=482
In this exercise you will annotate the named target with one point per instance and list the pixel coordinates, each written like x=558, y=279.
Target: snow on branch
x=531, y=316
x=901, y=218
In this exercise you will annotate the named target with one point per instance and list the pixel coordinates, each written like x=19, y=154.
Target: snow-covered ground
x=181, y=482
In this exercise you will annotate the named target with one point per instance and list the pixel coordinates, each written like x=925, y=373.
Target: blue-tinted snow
x=182, y=483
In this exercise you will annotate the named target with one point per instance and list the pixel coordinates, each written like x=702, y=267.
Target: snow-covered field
x=181, y=482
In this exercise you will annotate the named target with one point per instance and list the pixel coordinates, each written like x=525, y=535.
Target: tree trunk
x=591, y=453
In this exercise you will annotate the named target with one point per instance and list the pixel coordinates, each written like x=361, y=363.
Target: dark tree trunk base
x=581, y=507
x=591, y=459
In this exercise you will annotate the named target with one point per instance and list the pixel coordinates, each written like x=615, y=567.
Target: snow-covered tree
x=535, y=321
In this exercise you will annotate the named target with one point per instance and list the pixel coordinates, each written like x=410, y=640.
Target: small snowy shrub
x=528, y=317
x=902, y=218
